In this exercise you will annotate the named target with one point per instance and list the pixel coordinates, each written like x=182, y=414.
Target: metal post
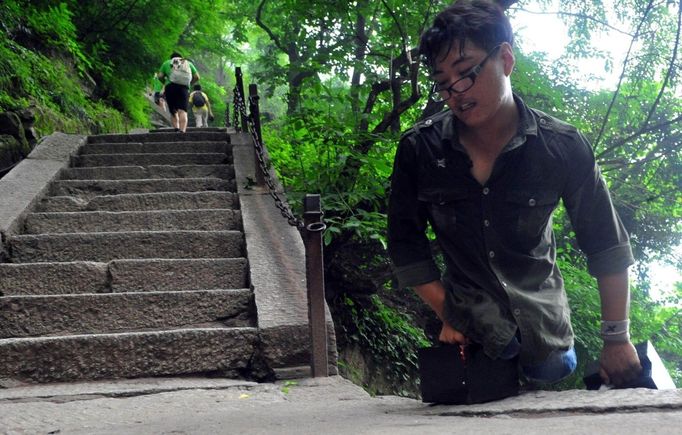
x=227, y=114
x=254, y=109
x=254, y=112
x=312, y=236
x=240, y=89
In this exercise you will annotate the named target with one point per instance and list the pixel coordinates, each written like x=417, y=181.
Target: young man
x=487, y=174
x=201, y=107
x=178, y=74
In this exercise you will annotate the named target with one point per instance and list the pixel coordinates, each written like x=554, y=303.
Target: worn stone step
x=79, y=277
x=228, y=130
x=126, y=245
x=128, y=355
x=178, y=274
x=157, y=147
x=146, y=201
x=166, y=136
x=112, y=221
x=148, y=172
x=92, y=188
x=33, y=316
x=150, y=159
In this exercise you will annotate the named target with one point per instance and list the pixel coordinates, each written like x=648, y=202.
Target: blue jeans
x=558, y=365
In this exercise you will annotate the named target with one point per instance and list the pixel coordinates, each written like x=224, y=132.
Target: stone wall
x=17, y=138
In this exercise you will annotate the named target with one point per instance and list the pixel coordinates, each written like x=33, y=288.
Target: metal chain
x=235, y=115
x=283, y=207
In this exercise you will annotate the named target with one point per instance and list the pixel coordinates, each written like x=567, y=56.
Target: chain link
x=283, y=207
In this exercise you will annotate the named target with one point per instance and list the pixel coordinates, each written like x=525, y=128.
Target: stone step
x=157, y=147
x=109, y=221
x=193, y=129
x=125, y=245
x=150, y=159
x=166, y=136
x=116, y=276
x=148, y=172
x=224, y=351
x=140, y=202
x=32, y=316
x=228, y=130
x=92, y=188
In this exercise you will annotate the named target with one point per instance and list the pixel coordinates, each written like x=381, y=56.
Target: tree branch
x=263, y=26
x=671, y=67
x=397, y=24
x=641, y=131
x=576, y=15
x=622, y=76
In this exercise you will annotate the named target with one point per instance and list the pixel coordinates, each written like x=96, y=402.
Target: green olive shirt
x=498, y=245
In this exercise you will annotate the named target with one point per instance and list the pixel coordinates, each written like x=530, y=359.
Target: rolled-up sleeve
x=598, y=228
x=408, y=246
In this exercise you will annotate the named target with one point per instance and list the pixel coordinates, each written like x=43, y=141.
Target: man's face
x=472, y=81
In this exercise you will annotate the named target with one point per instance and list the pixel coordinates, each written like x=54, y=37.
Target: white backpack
x=180, y=71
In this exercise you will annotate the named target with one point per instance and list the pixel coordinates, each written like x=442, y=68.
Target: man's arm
x=433, y=293
x=195, y=73
x=619, y=361
x=604, y=240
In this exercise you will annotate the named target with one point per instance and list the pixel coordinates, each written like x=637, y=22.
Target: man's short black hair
x=482, y=22
x=175, y=54
x=197, y=87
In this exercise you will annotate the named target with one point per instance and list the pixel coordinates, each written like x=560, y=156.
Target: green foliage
x=326, y=144
x=389, y=336
x=310, y=153
x=33, y=79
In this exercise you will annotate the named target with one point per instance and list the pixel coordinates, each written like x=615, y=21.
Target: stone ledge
x=28, y=182
x=573, y=401
x=58, y=146
x=281, y=297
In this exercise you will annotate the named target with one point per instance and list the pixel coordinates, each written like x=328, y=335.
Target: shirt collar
x=527, y=126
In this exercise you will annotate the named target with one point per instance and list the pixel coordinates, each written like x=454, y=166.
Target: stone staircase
x=132, y=262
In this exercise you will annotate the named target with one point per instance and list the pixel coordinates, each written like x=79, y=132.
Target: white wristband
x=615, y=331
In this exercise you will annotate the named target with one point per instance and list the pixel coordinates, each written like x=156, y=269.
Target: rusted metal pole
x=254, y=109
x=312, y=236
x=240, y=89
x=254, y=113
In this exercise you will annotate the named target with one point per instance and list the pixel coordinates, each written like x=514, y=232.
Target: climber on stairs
x=178, y=74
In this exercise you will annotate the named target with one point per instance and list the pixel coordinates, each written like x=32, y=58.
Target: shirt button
x=486, y=190
x=504, y=284
x=486, y=223
x=531, y=202
x=543, y=121
x=517, y=311
x=428, y=122
x=491, y=254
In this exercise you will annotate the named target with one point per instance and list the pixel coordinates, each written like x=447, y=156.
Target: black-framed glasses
x=462, y=84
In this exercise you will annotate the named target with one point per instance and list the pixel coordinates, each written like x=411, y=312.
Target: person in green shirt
x=178, y=74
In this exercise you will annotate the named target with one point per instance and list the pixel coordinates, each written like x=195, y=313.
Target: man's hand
x=450, y=335
x=619, y=363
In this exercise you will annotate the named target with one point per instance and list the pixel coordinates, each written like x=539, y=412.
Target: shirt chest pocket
x=445, y=208
x=530, y=211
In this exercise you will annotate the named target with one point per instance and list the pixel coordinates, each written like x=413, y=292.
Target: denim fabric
x=558, y=366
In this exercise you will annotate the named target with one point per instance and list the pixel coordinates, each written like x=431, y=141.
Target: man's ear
x=507, y=54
